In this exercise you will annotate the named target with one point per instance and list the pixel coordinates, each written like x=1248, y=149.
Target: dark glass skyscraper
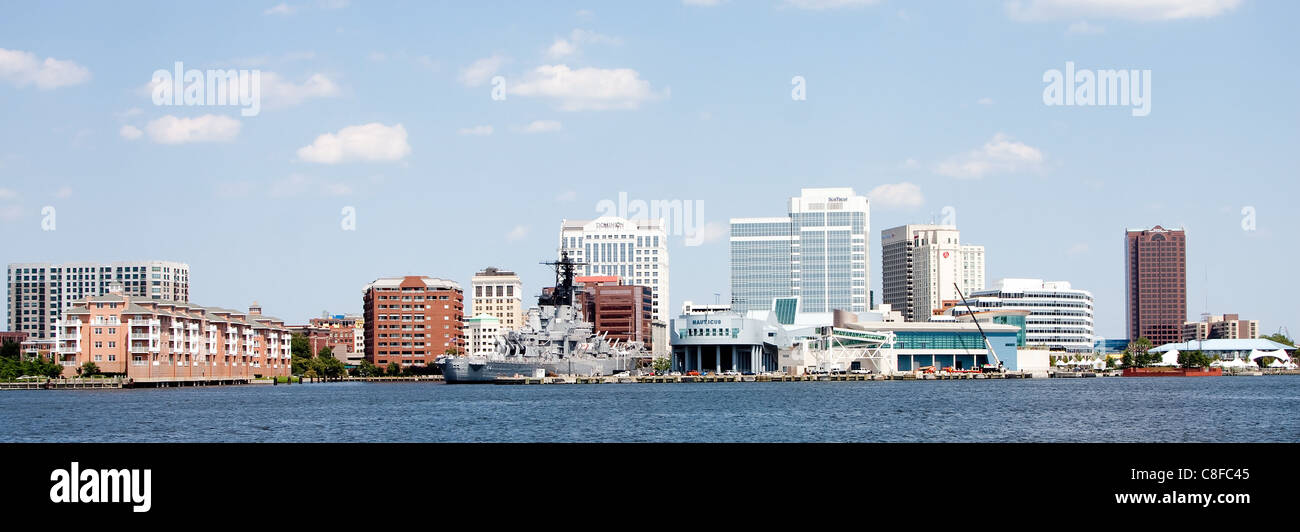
x=1155, y=267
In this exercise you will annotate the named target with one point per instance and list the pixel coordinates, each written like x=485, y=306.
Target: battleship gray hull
x=472, y=370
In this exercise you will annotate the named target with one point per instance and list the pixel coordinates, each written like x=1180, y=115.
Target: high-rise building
x=412, y=319
x=147, y=338
x=1155, y=268
x=1226, y=326
x=817, y=252
x=1060, y=316
x=497, y=293
x=40, y=292
x=634, y=250
x=923, y=264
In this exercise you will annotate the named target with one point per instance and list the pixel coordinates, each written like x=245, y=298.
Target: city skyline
x=1045, y=189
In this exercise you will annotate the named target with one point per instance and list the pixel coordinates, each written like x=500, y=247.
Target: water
x=1228, y=409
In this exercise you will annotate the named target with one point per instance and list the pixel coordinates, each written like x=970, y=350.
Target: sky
x=438, y=138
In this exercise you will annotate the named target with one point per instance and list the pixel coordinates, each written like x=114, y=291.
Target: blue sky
x=930, y=105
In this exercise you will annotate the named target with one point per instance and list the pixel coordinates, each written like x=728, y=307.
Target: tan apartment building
x=1226, y=326
x=142, y=338
x=412, y=319
x=498, y=293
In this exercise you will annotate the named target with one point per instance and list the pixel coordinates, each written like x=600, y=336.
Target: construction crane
x=975, y=319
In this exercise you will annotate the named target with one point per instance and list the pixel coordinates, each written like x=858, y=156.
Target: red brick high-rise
x=1155, y=268
x=413, y=319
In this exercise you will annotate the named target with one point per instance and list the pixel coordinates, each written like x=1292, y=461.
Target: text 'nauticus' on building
x=816, y=252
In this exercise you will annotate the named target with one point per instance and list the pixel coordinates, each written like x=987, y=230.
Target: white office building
x=817, y=252
x=498, y=293
x=922, y=265
x=634, y=250
x=1060, y=316
x=40, y=292
x=481, y=334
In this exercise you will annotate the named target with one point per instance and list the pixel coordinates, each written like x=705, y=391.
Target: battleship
x=555, y=340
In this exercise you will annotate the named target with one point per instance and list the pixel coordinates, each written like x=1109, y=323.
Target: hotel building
x=817, y=252
x=634, y=250
x=1060, y=317
x=921, y=265
x=497, y=293
x=40, y=292
x=1225, y=326
x=1155, y=269
x=412, y=319
x=146, y=338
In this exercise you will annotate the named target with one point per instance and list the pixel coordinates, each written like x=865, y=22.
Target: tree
x=89, y=369
x=326, y=351
x=299, y=346
x=327, y=366
x=662, y=364
x=10, y=369
x=11, y=350
x=394, y=369
x=1280, y=338
x=366, y=369
x=1193, y=359
x=451, y=351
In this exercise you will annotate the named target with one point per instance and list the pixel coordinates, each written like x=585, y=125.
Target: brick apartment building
x=1155, y=268
x=1226, y=326
x=621, y=312
x=412, y=320
x=141, y=337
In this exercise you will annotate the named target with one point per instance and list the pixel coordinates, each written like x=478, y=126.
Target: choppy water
x=1228, y=409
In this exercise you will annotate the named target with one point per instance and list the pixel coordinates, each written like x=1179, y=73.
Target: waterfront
x=1031, y=410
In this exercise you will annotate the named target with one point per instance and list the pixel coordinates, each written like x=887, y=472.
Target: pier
x=842, y=377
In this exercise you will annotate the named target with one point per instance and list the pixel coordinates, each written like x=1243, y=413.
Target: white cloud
x=64, y=192
x=518, y=233
x=479, y=72
x=710, y=232
x=207, y=128
x=566, y=46
x=369, y=142
x=896, y=195
x=1039, y=10
x=985, y=101
x=278, y=92
x=24, y=68
x=130, y=132
x=7, y=194
x=476, y=131
x=568, y=195
x=1082, y=27
x=587, y=88
x=540, y=126
x=828, y=4
x=999, y=155
x=280, y=9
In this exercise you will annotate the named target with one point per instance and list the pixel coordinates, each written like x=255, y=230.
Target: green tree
x=89, y=369
x=1280, y=338
x=11, y=350
x=366, y=369
x=451, y=351
x=299, y=346
x=10, y=369
x=662, y=364
x=394, y=369
x=1193, y=359
x=327, y=367
x=326, y=351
